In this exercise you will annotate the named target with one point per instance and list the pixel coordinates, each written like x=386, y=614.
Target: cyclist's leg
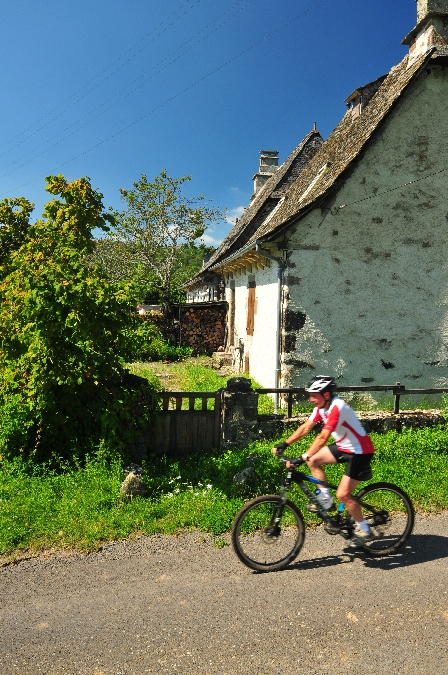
x=344, y=494
x=324, y=456
x=358, y=469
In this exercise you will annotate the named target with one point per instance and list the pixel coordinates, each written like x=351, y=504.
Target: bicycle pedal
x=332, y=528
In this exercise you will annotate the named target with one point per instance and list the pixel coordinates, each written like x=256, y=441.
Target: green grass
x=80, y=508
x=194, y=374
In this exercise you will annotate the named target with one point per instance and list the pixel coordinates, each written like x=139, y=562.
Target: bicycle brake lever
x=296, y=461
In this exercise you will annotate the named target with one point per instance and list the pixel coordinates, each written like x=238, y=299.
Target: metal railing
x=396, y=389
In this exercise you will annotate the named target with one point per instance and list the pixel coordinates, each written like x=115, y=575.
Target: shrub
x=63, y=334
x=148, y=343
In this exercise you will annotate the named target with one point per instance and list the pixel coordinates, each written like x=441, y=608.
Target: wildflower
x=209, y=487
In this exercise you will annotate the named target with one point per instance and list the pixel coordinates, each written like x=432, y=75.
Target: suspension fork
x=283, y=496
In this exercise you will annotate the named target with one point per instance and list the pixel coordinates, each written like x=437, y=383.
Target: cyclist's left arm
x=319, y=442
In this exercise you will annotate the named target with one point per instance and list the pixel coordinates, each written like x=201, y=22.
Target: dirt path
x=180, y=605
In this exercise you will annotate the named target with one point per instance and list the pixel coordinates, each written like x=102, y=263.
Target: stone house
x=339, y=263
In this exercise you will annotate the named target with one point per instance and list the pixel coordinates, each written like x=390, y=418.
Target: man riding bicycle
x=352, y=445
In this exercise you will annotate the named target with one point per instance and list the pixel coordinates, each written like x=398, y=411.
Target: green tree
x=14, y=224
x=64, y=329
x=155, y=234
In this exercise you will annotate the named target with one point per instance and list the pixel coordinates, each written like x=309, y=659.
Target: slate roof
x=292, y=196
x=342, y=147
x=267, y=197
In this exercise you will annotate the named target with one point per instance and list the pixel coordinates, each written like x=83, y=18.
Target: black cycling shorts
x=358, y=466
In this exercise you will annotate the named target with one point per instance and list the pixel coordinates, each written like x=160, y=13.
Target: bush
x=63, y=334
x=148, y=343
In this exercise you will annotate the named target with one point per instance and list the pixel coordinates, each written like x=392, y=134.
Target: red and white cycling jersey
x=345, y=427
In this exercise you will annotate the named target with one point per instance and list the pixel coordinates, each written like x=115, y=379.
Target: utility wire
x=335, y=210
x=99, y=76
x=183, y=91
x=124, y=89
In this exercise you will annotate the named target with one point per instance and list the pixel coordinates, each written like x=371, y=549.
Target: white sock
x=363, y=525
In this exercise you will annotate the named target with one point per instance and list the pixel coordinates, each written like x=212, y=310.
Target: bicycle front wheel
x=266, y=535
x=390, y=515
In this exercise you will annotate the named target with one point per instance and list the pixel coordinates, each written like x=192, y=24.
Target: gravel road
x=181, y=605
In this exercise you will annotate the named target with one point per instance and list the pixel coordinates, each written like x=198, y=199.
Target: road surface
x=169, y=605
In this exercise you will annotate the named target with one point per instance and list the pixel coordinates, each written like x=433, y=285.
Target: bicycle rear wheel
x=390, y=515
x=262, y=543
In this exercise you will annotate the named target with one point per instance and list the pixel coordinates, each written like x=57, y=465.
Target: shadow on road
x=421, y=548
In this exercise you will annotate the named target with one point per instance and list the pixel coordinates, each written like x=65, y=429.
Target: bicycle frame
x=336, y=524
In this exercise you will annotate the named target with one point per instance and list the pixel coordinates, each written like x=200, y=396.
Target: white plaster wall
x=372, y=280
x=262, y=346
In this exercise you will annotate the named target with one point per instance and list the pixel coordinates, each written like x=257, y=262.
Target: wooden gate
x=189, y=421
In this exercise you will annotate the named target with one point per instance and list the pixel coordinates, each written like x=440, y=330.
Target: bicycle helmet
x=321, y=383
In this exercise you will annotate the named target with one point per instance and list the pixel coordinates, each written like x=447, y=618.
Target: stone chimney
x=268, y=166
x=432, y=15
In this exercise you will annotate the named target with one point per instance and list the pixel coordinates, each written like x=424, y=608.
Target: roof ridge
x=343, y=145
x=259, y=200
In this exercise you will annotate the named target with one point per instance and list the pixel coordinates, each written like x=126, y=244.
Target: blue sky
x=113, y=89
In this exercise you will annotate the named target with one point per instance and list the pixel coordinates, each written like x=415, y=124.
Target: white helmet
x=321, y=383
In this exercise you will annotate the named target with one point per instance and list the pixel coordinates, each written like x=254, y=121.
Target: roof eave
x=410, y=37
x=294, y=217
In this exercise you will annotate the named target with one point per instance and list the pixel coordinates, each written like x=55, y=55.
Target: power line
x=183, y=91
x=335, y=210
x=124, y=89
x=100, y=74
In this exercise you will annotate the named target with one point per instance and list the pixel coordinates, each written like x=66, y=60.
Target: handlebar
x=297, y=461
x=281, y=447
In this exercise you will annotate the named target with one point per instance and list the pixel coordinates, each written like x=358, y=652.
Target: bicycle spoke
x=261, y=542
x=390, y=515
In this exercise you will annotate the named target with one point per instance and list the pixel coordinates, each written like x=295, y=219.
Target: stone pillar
x=239, y=414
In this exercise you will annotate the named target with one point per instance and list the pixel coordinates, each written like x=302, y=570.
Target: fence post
x=290, y=403
x=397, y=398
x=239, y=414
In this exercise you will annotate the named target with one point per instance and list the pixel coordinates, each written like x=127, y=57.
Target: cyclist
x=352, y=445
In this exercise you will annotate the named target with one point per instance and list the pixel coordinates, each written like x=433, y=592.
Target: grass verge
x=81, y=508
x=193, y=374
x=197, y=374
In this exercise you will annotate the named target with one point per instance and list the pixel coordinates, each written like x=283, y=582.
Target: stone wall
x=274, y=426
x=379, y=312
x=202, y=325
x=259, y=350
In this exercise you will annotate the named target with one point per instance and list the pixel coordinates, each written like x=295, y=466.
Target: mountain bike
x=269, y=531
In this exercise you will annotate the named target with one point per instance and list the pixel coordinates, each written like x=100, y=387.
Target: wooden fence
x=396, y=389
x=184, y=426
x=191, y=421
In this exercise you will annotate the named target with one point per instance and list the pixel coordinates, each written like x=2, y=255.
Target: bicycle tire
x=262, y=546
x=394, y=519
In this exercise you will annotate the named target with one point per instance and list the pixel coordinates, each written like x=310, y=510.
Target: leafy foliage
x=14, y=224
x=116, y=263
x=63, y=330
x=148, y=343
x=82, y=507
x=154, y=238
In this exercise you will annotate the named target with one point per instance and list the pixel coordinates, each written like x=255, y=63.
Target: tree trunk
x=169, y=323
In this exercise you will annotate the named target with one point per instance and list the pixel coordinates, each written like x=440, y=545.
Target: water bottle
x=319, y=496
